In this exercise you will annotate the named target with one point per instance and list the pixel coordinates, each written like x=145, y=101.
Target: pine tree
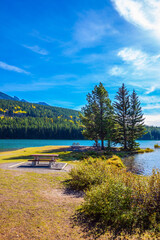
x=88, y=120
x=97, y=113
x=136, y=120
x=122, y=108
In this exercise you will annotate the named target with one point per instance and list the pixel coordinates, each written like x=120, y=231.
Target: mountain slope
x=21, y=120
x=5, y=96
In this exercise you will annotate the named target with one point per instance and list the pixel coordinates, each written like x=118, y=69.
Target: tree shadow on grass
x=95, y=228
x=90, y=228
x=19, y=158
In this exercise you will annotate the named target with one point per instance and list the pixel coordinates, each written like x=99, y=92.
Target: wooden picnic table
x=51, y=158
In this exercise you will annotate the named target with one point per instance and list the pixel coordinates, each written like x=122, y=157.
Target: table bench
x=51, y=158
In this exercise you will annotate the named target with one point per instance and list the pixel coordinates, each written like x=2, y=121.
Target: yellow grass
x=25, y=153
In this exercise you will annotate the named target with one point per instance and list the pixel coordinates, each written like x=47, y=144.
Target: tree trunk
x=109, y=143
x=102, y=144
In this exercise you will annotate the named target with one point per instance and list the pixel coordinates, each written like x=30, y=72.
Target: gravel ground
x=25, y=166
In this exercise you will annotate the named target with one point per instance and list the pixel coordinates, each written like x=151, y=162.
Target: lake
x=141, y=163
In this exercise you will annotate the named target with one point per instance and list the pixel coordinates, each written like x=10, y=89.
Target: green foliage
x=97, y=115
x=92, y=171
x=124, y=201
x=25, y=120
x=129, y=117
x=136, y=121
x=122, y=110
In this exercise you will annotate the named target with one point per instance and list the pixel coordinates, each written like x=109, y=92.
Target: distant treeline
x=20, y=120
x=153, y=133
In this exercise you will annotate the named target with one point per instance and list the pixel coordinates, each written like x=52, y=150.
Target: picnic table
x=51, y=158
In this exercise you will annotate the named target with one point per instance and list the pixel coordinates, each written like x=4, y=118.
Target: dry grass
x=36, y=207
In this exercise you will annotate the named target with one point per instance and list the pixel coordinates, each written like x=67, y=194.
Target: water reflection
x=143, y=163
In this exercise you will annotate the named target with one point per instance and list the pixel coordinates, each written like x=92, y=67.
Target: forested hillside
x=25, y=120
x=153, y=133
x=21, y=120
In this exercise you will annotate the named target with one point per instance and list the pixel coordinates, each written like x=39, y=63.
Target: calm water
x=142, y=163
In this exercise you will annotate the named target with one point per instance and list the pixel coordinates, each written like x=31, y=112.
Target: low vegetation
x=115, y=199
x=156, y=146
x=116, y=205
x=147, y=150
x=92, y=171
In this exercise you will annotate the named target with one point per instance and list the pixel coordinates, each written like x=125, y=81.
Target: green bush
x=109, y=203
x=89, y=172
x=125, y=201
x=92, y=171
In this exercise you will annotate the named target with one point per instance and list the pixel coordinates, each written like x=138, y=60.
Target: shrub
x=89, y=172
x=156, y=146
x=147, y=150
x=109, y=203
x=125, y=201
x=116, y=161
x=92, y=171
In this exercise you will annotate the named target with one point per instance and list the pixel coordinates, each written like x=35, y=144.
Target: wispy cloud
x=8, y=67
x=141, y=69
x=149, y=99
x=62, y=103
x=142, y=13
x=78, y=108
x=37, y=49
x=89, y=31
x=117, y=71
x=42, y=37
x=152, y=119
x=150, y=106
x=138, y=58
x=41, y=84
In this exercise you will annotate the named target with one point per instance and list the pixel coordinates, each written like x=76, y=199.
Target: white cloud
x=116, y=71
x=142, y=13
x=151, y=89
x=78, y=108
x=157, y=106
x=37, y=49
x=152, y=120
x=8, y=67
x=142, y=68
x=138, y=58
x=149, y=99
x=90, y=29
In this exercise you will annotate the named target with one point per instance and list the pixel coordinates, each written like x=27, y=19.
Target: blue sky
x=57, y=51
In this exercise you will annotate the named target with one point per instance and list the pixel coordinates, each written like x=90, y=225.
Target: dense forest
x=21, y=120
x=153, y=133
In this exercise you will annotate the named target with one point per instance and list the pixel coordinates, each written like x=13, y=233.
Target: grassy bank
x=42, y=207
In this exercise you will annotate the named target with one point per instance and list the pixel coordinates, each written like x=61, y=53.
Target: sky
x=57, y=51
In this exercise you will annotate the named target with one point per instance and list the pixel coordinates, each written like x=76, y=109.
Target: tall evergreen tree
x=97, y=113
x=136, y=120
x=122, y=108
x=88, y=120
